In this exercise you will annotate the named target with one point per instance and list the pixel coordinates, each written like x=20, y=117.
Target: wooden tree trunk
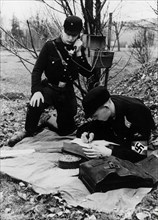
x=109, y=31
x=89, y=22
x=117, y=36
x=98, y=18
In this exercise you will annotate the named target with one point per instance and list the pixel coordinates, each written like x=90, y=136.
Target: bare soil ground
x=18, y=200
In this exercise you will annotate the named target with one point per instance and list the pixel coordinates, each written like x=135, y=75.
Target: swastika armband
x=139, y=147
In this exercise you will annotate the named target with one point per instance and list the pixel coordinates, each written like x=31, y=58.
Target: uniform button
x=52, y=62
x=67, y=58
x=64, y=69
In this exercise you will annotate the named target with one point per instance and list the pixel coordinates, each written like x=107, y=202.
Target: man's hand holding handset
x=78, y=45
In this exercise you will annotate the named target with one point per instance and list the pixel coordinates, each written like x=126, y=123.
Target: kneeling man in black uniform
x=61, y=60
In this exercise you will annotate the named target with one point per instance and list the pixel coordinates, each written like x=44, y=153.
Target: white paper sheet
x=97, y=142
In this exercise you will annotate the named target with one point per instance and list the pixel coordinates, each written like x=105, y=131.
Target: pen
x=88, y=135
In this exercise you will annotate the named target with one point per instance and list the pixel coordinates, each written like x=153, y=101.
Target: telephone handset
x=78, y=43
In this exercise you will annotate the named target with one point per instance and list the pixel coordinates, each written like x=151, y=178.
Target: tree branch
x=32, y=44
x=16, y=54
x=51, y=6
x=68, y=7
x=23, y=46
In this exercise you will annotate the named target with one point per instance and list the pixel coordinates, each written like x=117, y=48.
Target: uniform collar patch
x=127, y=123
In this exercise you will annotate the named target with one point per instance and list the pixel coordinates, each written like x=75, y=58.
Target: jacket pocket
x=54, y=60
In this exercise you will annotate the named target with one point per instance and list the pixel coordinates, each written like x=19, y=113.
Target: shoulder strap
x=62, y=60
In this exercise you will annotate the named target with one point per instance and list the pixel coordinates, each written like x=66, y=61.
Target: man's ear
x=107, y=104
x=81, y=34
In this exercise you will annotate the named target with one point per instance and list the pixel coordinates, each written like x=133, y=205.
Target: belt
x=61, y=85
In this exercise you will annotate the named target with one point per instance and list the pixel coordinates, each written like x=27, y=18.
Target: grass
x=16, y=78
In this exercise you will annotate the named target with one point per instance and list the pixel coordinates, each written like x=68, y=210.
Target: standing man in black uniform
x=61, y=60
x=123, y=120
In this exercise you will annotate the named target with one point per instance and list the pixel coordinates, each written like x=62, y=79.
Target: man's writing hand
x=36, y=99
x=87, y=137
x=96, y=151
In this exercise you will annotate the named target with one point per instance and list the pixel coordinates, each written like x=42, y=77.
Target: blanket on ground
x=35, y=160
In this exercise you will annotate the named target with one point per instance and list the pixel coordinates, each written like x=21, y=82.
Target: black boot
x=17, y=137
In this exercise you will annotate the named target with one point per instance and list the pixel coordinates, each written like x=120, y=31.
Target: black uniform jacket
x=49, y=62
x=133, y=121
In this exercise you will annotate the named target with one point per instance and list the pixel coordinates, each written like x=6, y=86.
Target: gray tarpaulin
x=35, y=160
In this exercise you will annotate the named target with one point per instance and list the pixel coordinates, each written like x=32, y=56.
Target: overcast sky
x=126, y=10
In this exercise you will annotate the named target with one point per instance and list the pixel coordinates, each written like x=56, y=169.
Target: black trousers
x=64, y=101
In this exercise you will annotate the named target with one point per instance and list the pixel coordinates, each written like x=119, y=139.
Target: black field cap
x=94, y=99
x=73, y=25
